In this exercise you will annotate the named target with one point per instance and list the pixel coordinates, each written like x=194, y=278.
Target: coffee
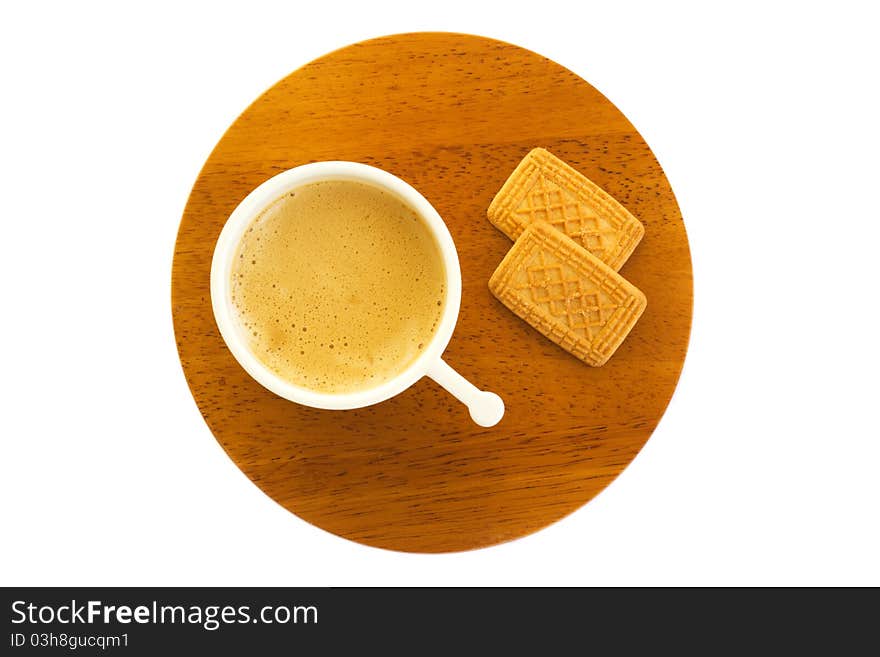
x=338, y=286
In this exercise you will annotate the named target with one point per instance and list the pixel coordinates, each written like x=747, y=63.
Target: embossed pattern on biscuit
x=567, y=294
x=544, y=188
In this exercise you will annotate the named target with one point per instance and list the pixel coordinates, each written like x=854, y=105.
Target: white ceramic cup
x=486, y=408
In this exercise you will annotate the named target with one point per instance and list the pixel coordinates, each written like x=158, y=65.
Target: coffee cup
x=486, y=408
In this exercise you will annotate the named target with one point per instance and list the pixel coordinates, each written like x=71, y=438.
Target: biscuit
x=568, y=294
x=544, y=188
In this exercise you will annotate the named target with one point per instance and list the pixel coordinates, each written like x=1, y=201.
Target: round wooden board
x=452, y=115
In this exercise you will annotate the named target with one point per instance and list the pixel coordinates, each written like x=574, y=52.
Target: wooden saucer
x=452, y=115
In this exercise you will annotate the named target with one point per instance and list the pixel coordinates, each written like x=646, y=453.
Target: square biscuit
x=568, y=294
x=544, y=188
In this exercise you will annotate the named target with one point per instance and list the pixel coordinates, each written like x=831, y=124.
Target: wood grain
x=452, y=115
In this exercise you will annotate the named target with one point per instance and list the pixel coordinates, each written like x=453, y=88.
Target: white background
x=764, y=469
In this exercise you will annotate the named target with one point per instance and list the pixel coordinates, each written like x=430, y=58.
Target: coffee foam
x=338, y=286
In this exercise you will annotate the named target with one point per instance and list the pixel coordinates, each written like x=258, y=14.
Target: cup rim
x=260, y=198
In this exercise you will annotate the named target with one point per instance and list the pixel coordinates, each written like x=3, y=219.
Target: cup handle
x=486, y=408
